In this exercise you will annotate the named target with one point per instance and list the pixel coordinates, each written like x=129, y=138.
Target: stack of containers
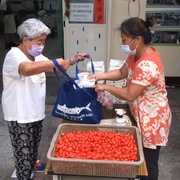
x=99, y=67
x=113, y=65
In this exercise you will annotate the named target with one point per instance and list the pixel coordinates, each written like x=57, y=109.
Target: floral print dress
x=151, y=109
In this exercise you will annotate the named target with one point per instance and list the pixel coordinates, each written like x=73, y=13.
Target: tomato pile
x=97, y=145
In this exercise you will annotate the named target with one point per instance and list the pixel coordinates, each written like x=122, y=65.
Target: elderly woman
x=24, y=90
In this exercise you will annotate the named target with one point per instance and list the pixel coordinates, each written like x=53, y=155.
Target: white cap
x=120, y=111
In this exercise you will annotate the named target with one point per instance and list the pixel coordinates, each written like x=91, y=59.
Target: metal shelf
x=168, y=23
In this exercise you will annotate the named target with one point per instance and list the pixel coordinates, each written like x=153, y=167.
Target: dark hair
x=136, y=26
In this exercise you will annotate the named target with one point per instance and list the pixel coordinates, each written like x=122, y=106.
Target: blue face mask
x=35, y=50
x=126, y=49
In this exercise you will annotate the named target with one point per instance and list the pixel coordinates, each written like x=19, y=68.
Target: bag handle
x=63, y=72
x=92, y=67
x=66, y=75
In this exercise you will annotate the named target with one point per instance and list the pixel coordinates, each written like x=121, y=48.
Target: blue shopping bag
x=75, y=103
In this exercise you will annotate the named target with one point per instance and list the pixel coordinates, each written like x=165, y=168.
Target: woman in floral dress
x=145, y=91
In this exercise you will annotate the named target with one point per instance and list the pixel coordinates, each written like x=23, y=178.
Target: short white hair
x=32, y=28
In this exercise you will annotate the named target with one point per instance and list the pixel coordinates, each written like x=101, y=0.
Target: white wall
x=85, y=37
x=171, y=60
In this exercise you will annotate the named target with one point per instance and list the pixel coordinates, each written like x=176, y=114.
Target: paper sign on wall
x=81, y=12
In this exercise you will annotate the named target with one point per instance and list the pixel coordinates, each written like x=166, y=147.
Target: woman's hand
x=100, y=87
x=66, y=63
x=97, y=77
x=79, y=56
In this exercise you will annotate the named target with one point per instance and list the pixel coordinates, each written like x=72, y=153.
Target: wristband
x=70, y=62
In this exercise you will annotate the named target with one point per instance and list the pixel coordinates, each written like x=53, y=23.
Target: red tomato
x=97, y=145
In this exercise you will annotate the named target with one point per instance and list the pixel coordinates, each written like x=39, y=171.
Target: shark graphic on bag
x=75, y=110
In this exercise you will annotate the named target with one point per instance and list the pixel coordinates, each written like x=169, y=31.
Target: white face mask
x=126, y=49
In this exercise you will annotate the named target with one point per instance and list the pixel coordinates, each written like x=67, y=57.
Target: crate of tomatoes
x=96, y=150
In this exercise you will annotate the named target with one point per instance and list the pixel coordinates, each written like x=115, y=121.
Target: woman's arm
x=112, y=75
x=129, y=93
x=32, y=68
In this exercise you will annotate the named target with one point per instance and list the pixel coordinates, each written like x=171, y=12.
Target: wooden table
x=142, y=170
